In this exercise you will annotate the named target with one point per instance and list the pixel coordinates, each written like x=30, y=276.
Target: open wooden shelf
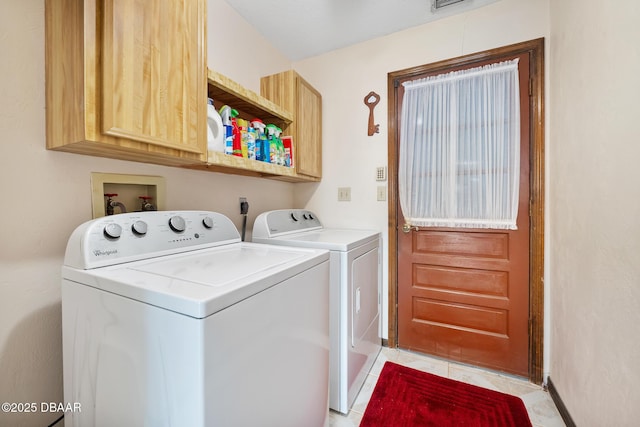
x=250, y=105
x=225, y=163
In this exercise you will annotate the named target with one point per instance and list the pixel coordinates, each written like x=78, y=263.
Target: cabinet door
x=309, y=129
x=289, y=90
x=154, y=81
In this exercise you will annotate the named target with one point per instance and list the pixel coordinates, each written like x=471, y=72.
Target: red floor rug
x=405, y=397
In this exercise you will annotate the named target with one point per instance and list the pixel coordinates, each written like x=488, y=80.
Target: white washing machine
x=354, y=293
x=170, y=320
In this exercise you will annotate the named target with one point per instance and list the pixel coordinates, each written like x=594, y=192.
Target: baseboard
x=564, y=412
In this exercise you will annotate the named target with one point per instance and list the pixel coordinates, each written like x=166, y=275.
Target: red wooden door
x=463, y=294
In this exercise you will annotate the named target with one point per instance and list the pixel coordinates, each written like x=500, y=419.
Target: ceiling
x=306, y=28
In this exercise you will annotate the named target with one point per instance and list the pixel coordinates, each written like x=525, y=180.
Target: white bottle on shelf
x=215, y=129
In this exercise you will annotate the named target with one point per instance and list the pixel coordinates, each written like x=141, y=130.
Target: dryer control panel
x=139, y=235
x=285, y=221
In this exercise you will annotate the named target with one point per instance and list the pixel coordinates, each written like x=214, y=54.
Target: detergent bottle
x=215, y=129
x=237, y=138
x=251, y=142
x=228, y=116
x=273, y=144
x=279, y=147
x=261, y=139
x=287, y=141
x=244, y=137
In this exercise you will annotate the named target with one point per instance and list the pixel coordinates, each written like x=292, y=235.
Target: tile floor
x=542, y=410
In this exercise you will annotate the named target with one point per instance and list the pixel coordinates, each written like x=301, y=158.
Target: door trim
x=535, y=48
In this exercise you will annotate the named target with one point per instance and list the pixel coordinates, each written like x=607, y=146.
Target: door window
x=459, y=160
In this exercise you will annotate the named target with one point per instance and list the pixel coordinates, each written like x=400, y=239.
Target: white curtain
x=459, y=160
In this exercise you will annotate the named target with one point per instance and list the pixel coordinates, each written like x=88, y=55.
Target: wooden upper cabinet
x=127, y=79
x=289, y=90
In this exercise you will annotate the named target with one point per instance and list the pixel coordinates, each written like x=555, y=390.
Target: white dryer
x=354, y=293
x=170, y=320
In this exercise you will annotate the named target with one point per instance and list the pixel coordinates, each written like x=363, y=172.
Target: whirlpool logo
x=101, y=252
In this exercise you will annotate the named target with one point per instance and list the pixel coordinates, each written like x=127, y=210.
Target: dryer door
x=364, y=299
x=364, y=341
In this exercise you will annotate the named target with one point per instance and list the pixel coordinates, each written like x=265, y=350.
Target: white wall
x=46, y=194
x=237, y=50
x=345, y=76
x=596, y=209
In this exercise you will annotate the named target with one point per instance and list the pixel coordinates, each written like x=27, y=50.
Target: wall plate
x=128, y=188
x=344, y=194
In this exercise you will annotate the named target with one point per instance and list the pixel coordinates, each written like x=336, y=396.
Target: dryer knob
x=139, y=228
x=207, y=222
x=311, y=216
x=112, y=231
x=304, y=216
x=293, y=216
x=177, y=224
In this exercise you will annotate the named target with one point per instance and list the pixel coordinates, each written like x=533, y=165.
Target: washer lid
x=327, y=238
x=200, y=283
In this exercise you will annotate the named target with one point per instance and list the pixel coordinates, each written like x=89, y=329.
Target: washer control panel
x=285, y=221
x=138, y=235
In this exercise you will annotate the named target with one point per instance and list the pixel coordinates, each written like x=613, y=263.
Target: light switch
x=382, y=193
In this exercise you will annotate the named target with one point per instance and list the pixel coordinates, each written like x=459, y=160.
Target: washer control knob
x=311, y=216
x=293, y=217
x=139, y=228
x=177, y=224
x=305, y=216
x=207, y=222
x=112, y=231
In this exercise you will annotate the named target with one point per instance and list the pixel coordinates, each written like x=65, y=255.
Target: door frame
x=535, y=48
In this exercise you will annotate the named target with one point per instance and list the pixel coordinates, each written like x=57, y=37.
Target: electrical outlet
x=344, y=194
x=382, y=193
x=244, y=206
